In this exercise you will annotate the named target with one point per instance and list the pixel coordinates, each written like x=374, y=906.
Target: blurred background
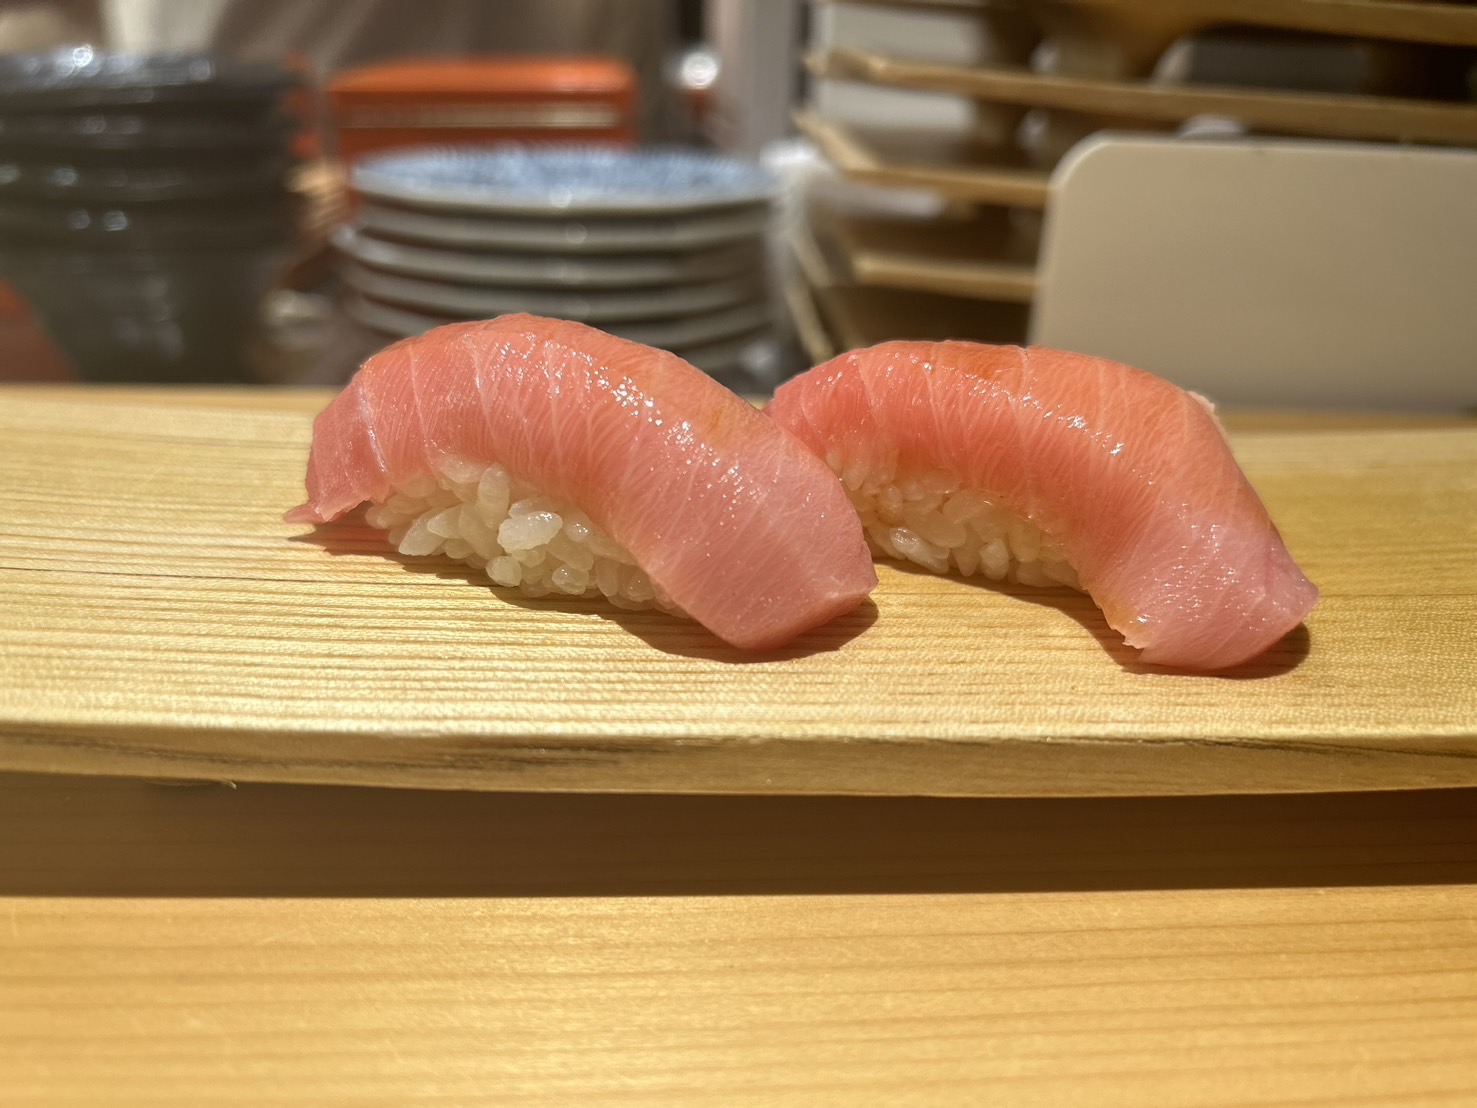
x=1272, y=202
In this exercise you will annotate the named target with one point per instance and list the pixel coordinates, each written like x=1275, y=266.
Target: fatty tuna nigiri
x=1045, y=467
x=566, y=461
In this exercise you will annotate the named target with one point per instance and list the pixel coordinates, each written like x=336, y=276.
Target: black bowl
x=167, y=225
x=130, y=181
x=81, y=77
x=160, y=316
x=149, y=128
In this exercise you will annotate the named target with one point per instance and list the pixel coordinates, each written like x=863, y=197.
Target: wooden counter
x=326, y=945
x=158, y=618
x=299, y=944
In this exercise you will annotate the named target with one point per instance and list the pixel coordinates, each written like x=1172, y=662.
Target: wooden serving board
x=157, y=618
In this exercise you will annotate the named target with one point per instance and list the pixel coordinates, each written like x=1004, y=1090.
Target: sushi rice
x=526, y=540
x=929, y=518
x=484, y=516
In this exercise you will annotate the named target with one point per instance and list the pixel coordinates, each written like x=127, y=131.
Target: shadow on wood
x=660, y=630
x=67, y=836
x=1282, y=657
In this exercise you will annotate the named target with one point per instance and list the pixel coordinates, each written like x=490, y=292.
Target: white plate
x=546, y=270
x=562, y=180
x=566, y=236
x=484, y=302
x=668, y=334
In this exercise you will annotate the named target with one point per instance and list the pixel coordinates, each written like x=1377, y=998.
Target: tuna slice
x=567, y=461
x=1045, y=468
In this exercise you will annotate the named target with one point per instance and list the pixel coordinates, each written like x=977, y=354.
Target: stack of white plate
x=665, y=247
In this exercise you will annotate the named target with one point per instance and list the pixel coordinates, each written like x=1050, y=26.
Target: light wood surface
x=1318, y=115
x=291, y=945
x=1179, y=998
x=980, y=260
x=860, y=315
x=949, y=165
x=157, y=618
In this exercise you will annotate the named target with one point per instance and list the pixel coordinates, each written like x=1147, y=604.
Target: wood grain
x=1323, y=115
x=316, y=945
x=951, y=167
x=1203, y=998
x=157, y=618
x=976, y=259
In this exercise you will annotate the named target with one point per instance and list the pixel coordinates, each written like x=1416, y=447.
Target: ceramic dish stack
x=144, y=205
x=665, y=246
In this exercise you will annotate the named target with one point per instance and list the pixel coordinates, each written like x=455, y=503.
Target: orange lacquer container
x=421, y=101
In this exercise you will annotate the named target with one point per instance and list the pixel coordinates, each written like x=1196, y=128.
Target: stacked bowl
x=144, y=205
x=662, y=246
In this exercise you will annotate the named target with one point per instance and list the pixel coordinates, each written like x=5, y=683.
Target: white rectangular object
x=1269, y=272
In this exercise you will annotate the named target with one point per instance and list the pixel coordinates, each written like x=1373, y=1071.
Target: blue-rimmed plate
x=546, y=270
x=752, y=319
x=565, y=236
x=587, y=306
x=562, y=180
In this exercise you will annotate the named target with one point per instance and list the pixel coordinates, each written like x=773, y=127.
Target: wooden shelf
x=949, y=165
x=1440, y=24
x=980, y=261
x=1323, y=115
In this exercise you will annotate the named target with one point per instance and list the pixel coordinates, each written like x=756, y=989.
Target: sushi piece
x=1048, y=468
x=565, y=461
